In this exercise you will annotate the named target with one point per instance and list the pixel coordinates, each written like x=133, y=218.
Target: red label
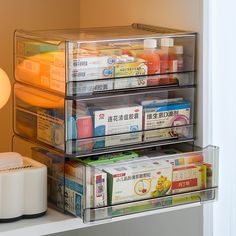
x=119, y=175
x=185, y=168
x=99, y=177
x=187, y=183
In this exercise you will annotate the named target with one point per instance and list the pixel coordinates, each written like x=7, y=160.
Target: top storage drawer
x=87, y=61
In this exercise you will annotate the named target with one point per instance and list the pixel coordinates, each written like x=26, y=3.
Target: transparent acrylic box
x=100, y=124
x=102, y=187
x=123, y=95
x=88, y=61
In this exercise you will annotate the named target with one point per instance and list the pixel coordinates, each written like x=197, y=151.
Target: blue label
x=70, y=184
x=78, y=205
x=107, y=72
x=134, y=128
x=111, y=60
x=168, y=107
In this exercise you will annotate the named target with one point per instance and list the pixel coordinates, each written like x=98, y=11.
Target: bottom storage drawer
x=109, y=212
x=101, y=187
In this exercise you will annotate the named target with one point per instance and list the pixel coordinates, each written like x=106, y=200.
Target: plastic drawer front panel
x=136, y=140
x=86, y=61
x=153, y=180
x=106, y=213
x=92, y=87
x=105, y=186
x=101, y=123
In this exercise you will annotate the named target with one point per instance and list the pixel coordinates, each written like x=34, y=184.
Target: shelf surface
x=56, y=222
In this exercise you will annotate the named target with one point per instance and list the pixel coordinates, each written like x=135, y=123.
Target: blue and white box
x=172, y=116
x=118, y=125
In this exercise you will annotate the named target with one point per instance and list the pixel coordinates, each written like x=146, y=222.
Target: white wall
x=223, y=48
x=28, y=14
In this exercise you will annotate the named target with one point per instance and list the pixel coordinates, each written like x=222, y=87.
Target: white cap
x=179, y=49
x=167, y=42
x=150, y=43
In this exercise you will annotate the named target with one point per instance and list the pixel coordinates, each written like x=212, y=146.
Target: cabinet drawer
x=87, y=61
x=100, y=124
x=106, y=186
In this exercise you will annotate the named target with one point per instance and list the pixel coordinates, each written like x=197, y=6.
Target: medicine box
x=118, y=120
x=166, y=115
x=138, y=181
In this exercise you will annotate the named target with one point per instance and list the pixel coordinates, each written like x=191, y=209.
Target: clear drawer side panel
x=138, y=181
x=39, y=115
x=40, y=63
x=99, y=124
x=55, y=168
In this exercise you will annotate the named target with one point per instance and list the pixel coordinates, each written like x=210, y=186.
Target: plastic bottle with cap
x=179, y=50
x=168, y=62
x=150, y=55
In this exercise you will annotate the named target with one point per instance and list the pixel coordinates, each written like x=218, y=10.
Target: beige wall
x=182, y=14
x=28, y=14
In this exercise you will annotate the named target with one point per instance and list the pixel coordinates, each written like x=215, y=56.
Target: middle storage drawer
x=105, y=123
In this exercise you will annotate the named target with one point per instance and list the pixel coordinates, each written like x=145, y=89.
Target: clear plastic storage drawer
x=99, y=124
x=105, y=186
x=88, y=61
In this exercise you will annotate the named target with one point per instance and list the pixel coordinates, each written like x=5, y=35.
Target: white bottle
x=151, y=56
x=179, y=50
x=167, y=56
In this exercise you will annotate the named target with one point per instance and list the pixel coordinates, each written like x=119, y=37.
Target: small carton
x=50, y=129
x=30, y=48
x=166, y=116
x=189, y=178
x=135, y=68
x=130, y=82
x=90, y=73
x=89, y=87
x=110, y=158
x=71, y=195
x=136, y=181
x=88, y=62
x=123, y=122
x=92, y=177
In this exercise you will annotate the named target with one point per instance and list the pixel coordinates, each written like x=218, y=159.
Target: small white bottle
x=151, y=56
x=179, y=51
x=167, y=56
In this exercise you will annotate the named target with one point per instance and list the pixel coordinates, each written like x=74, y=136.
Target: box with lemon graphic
x=137, y=181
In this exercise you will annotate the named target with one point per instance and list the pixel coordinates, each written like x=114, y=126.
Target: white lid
x=150, y=43
x=10, y=160
x=167, y=42
x=179, y=49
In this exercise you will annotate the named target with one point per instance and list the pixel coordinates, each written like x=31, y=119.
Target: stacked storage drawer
x=111, y=112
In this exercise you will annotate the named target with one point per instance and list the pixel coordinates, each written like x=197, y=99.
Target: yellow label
x=131, y=69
